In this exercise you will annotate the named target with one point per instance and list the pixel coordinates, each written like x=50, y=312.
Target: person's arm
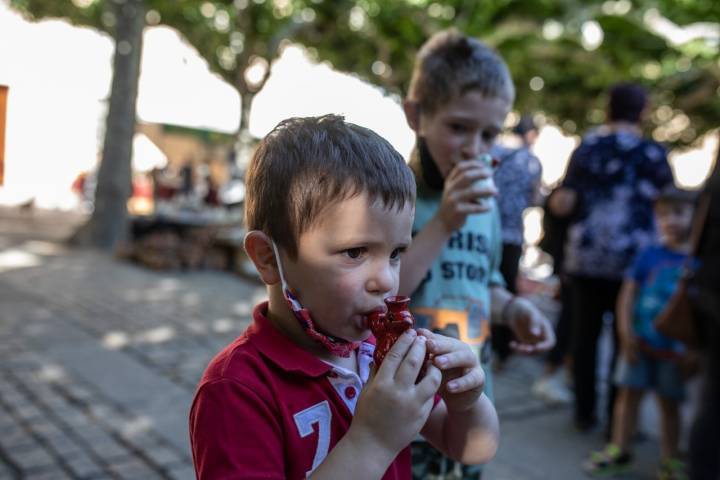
x=656, y=168
x=563, y=201
x=470, y=436
x=536, y=197
x=464, y=425
x=533, y=331
x=624, y=312
x=635, y=276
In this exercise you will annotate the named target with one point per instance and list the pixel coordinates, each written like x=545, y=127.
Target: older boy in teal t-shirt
x=459, y=96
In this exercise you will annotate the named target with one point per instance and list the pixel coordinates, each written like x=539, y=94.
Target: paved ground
x=99, y=359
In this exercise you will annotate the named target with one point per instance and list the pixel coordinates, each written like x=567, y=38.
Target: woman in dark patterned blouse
x=611, y=182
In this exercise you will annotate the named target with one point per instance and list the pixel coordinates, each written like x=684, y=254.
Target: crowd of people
x=337, y=222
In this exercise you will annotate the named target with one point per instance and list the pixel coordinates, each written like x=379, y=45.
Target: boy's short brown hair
x=305, y=165
x=450, y=64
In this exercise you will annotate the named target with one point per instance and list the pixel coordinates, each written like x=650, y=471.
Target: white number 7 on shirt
x=319, y=413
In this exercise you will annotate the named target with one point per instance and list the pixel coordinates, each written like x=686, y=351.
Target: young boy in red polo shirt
x=329, y=212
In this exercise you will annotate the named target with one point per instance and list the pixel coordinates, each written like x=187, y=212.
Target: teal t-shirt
x=455, y=293
x=454, y=296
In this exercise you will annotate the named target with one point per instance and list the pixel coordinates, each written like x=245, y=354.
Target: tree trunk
x=245, y=142
x=244, y=139
x=108, y=223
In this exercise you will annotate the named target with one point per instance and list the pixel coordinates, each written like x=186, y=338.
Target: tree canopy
x=563, y=55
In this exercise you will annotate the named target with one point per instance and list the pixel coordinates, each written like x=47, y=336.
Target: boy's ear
x=259, y=248
x=412, y=114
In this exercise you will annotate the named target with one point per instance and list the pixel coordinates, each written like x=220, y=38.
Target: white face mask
x=337, y=346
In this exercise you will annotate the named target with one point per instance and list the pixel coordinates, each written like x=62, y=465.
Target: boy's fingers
x=525, y=348
x=467, y=172
x=545, y=345
x=470, y=208
x=545, y=332
x=466, y=179
x=426, y=333
x=430, y=383
x=530, y=348
x=474, y=192
x=397, y=353
x=462, y=167
x=470, y=165
x=409, y=369
x=471, y=205
x=454, y=359
x=440, y=344
x=471, y=380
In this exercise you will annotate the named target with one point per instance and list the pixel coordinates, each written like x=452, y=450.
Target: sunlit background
x=59, y=78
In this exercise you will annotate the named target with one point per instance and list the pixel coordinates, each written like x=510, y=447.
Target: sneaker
x=608, y=462
x=672, y=469
x=552, y=390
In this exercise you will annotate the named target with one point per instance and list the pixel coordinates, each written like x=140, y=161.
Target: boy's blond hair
x=308, y=164
x=450, y=64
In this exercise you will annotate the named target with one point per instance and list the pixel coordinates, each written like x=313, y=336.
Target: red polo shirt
x=267, y=409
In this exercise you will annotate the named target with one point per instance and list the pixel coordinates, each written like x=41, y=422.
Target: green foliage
x=689, y=11
x=543, y=44
x=542, y=41
x=92, y=15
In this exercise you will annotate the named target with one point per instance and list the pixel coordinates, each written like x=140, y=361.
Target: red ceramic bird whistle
x=387, y=327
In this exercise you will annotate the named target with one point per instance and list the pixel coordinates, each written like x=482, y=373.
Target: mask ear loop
x=336, y=346
x=290, y=298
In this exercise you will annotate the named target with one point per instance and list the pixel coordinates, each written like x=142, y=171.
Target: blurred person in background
x=517, y=179
x=648, y=359
x=187, y=178
x=552, y=385
x=612, y=179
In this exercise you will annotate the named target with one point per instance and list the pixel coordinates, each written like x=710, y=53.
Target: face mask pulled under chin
x=336, y=346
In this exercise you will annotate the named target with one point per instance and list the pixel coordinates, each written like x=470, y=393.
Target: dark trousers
x=501, y=335
x=591, y=299
x=510, y=265
x=563, y=327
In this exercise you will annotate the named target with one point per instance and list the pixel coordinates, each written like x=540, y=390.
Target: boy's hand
x=463, y=380
x=532, y=329
x=460, y=194
x=392, y=408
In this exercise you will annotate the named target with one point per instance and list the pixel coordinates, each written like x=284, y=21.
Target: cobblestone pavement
x=99, y=359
